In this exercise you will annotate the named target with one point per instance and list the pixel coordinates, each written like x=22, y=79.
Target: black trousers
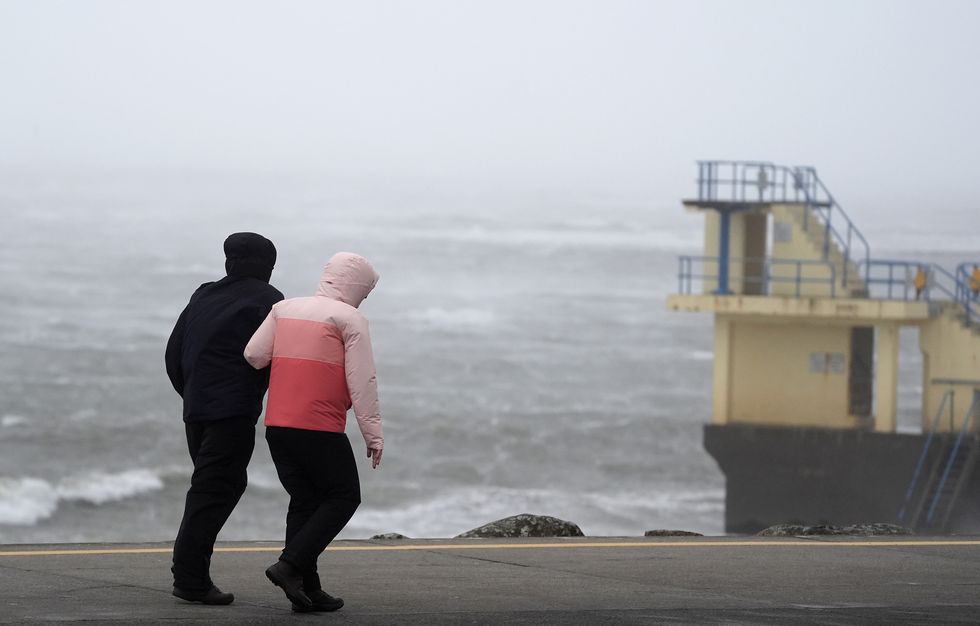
x=220, y=450
x=318, y=471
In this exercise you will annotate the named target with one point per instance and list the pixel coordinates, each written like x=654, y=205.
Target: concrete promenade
x=541, y=581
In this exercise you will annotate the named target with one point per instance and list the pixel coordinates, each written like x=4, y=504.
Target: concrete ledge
x=540, y=581
x=846, y=310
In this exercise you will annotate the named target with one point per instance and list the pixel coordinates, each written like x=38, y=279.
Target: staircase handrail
x=770, y=178
x=925, y=453
x=852, y=230
x=952, y=457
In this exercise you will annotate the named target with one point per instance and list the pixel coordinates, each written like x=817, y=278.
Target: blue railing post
x=680, y=275
x=826, y=237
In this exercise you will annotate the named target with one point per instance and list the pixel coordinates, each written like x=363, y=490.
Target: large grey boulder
x=855, y=530
x=389, y=536
x=525, y=525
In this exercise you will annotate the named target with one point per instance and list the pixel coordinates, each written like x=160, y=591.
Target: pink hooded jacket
x=320, y=351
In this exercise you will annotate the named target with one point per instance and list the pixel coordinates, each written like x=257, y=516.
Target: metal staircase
x=932, y=495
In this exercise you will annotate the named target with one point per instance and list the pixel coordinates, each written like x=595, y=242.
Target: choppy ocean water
x=526, y=364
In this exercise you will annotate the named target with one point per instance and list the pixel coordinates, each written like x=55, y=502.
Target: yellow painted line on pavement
x=522, y=546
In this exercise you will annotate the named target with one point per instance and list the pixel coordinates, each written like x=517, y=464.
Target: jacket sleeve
x=175, y=354
x=362, y=381
x=258, y=351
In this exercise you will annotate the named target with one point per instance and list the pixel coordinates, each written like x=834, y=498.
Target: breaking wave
x=8, y=421
x=25, y=500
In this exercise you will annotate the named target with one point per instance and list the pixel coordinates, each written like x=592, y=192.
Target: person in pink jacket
x=322, y=365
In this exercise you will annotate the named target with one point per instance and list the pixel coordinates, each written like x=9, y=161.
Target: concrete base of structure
x=789, y=475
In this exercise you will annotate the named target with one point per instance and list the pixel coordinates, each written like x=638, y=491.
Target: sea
x=526, y=359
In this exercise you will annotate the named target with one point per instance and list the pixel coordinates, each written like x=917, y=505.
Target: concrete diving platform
x=846, y=310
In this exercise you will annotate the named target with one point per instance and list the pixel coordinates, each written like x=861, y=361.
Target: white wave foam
x=12, y=420
x=24, y=501
x=702, y=355
x=83, y=415
x=458, y=319
x=101, y=487
x=27, y=500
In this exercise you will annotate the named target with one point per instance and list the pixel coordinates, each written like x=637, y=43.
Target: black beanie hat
x=249, y=255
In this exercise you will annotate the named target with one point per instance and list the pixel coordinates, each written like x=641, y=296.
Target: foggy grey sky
x=603, y=98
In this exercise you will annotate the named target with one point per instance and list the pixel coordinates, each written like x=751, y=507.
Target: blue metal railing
x=894, y=280
x=898, y=277
x=765, y=277
x=913, y=485
x=760, y=181
x=952, y=457
x=754, y=181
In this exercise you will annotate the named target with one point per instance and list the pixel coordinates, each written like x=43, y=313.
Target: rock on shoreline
x=525, y=525
x=859, y=530
x=671, y=533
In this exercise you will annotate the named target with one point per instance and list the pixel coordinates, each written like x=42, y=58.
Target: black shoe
x=290, y=580
x=323, y=602
x=211, y=596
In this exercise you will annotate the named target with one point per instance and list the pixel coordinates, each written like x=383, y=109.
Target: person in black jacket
x=222, y=397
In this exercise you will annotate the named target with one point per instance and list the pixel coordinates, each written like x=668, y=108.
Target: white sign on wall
x=782, y=232
x=827, y=362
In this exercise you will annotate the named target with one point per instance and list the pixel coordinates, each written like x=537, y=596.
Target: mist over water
x=521, y=362
x=526, y=359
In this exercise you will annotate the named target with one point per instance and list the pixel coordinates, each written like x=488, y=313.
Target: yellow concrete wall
x=791, y=242
x=886, y=377
x=747, y=239
x=950, y=351
x=721, y=397
x=769, y=378
x=712, y=225
x=736, y=244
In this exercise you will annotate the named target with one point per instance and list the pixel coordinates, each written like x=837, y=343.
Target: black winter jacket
x=204, y=356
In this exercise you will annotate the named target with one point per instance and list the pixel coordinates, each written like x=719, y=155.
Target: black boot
x=323, y=602
x=290, y=580
x=211, y=596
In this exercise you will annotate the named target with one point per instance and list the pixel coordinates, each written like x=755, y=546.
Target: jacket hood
x=249, y=255
x=347, y=277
